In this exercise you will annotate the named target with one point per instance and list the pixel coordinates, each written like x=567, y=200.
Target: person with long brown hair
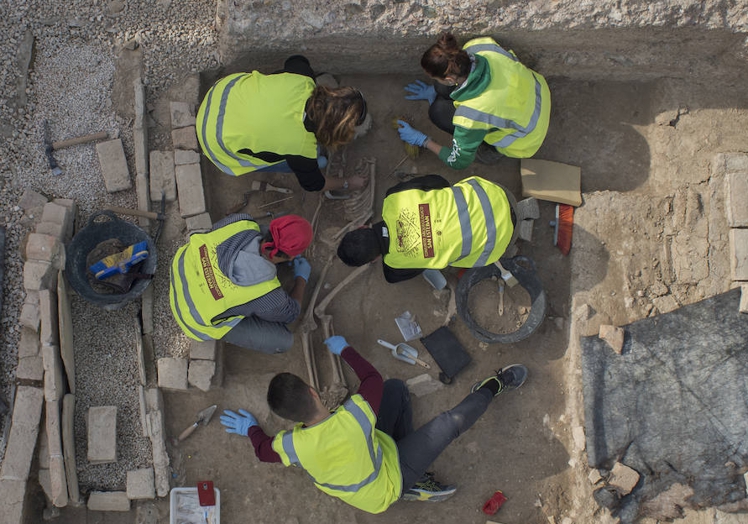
x=251, y=122
x=489, y=102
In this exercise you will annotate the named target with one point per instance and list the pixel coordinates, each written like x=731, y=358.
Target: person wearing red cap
x=224, y=283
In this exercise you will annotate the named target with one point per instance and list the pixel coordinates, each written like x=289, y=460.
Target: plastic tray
x=184, y=507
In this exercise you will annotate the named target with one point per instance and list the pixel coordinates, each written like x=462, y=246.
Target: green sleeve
x=465, y=143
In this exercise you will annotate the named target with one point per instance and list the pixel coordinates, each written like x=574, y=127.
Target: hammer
x=50, y=146
x=152, y=215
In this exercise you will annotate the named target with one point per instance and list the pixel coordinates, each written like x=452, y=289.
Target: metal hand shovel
x=405, y=353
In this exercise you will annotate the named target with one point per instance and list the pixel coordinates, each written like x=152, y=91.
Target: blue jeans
x=419, y=448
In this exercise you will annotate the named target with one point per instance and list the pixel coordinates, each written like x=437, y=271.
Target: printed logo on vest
x=427, y=239
x=210, y=276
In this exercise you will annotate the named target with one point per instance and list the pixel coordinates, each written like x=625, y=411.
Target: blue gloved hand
x=301, y=268
x=336, y=344
x=238, y=423
x=410, y=135
x=421, y=91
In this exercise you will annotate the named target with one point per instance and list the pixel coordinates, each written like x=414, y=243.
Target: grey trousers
x=260, y=335
x=418, y=449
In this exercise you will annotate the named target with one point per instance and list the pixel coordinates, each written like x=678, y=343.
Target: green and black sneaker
x=507, y=379
x=429, y=490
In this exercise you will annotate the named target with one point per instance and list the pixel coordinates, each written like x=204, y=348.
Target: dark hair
x=335, y=113
x=445, y=58
x=359, y=247
x=289, y=397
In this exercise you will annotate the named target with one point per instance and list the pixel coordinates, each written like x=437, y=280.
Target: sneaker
x=509, y=378
x=429, y=490
x=488, y=155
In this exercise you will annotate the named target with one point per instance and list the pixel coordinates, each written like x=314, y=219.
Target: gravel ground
x=69, y=83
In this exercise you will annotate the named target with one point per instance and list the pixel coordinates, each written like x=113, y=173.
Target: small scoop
x=404, y=352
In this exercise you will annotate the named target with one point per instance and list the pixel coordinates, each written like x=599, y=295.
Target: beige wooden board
x=551, y=181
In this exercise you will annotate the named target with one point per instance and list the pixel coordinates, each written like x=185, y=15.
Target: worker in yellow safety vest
x=429, y=225
x=491, y=104
x=224, y=283
x=365, y=452
x=252, y=122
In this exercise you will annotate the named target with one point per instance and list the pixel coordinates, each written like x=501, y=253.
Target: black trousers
x=418, y=449
x=442, y=110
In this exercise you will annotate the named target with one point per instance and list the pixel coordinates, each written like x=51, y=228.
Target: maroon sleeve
x=263, y=445
x=371, y=381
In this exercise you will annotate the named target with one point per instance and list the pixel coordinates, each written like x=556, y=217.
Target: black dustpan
x=447, y=352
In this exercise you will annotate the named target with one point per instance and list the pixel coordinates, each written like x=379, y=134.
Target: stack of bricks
x=192, y=204
x=45, y=370
x=734, y=168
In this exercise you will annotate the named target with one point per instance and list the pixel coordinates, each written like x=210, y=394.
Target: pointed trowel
x=203, y=418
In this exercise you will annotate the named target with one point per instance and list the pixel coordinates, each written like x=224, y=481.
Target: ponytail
x=446, y=58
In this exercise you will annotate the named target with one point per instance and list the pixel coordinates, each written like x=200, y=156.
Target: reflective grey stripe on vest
x=485, y=204
x=219, y=128
x=203, y=132
x=477, y=48
x=465, y=226
x=366, y=427
x=191, y=304
x=503, y=123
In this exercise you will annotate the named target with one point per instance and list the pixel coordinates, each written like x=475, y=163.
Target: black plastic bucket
x=104, y=225
x=524, y=270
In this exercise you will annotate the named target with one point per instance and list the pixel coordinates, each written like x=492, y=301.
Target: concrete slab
x=68, y=448
x=58, y=480
x=172, y=373
x=108, y=501
x=12, y=501
x=45, y=248
x=38, y=275
x=24, y=430
x=61, y=214
x=739, y=254
x=113, y=165
x=102, y=434
x=190, y=190
x=736, y=199
x=49, y=332
x=184, y=138
x=162, y=176
x=203, y=350
x=199, y=223
x=201, y=373
x=186, y=156
x=140, y=484
x=65, y=327
x=182, y=115
x=54, y=379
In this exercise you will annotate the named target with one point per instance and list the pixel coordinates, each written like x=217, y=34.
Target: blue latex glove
x=238, y=423
x=336, y=344
x=410, y=135
x=301, y=268
x=421, y=91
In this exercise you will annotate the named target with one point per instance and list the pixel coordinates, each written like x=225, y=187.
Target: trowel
x=203, y=418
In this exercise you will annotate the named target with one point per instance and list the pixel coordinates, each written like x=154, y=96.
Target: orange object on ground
x=564, y=226
x=493, y=504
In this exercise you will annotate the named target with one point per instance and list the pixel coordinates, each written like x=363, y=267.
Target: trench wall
x=623, y=40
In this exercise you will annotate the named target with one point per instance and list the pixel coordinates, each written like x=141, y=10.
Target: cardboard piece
x=551, y=181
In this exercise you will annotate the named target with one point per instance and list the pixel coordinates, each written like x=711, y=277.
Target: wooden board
x=551, y=181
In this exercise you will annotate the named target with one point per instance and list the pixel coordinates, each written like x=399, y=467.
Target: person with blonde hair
x=491, y=104
x=252, y=122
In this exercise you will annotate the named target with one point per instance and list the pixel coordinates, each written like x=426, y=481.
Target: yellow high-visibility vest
x=346, y=456
x=199, y=291
x=255, y=112
x=466, y=225
x=514, y=108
